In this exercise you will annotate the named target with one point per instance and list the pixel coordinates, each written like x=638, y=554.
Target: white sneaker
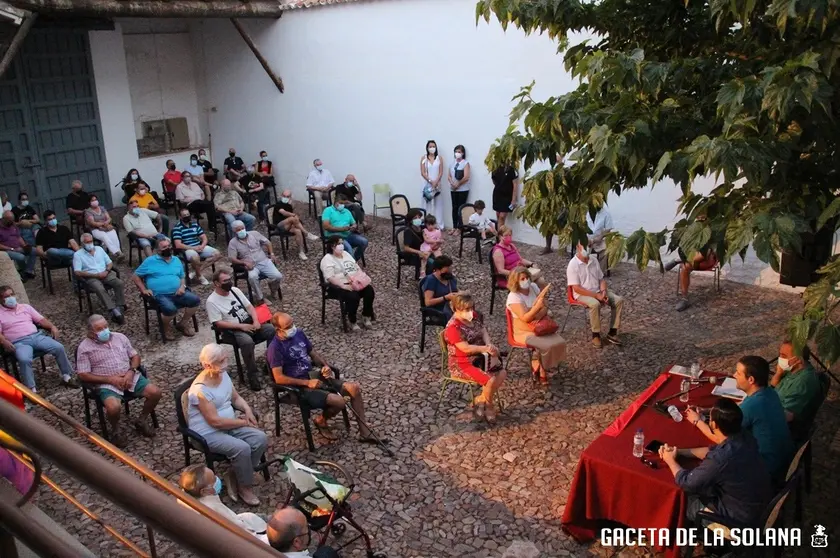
x=302, y=256
x=203, y=280
x=310, y=236
x=192, y=275
x=366, y=323
x=355, y=327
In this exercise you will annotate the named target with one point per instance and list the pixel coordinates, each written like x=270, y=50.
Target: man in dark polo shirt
x=77, y=202
x=234, y=167
x=26, y=218
x=55, y=242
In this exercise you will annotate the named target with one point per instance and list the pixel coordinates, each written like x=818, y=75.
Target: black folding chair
x=90, y=393
x=399, y=209
x=405, y=259
x=315, y=197
x=469, y=231
x=430, y=317
x=83, y=292
x=225, y=338
x=47, y=267
x=283, y=235
x=150, y=304
x=327, y=294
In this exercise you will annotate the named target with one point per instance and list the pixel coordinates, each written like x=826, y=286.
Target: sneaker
x=488, y=242
x=672, y=264
x=192, y=275
x=302, y=256
x=355, y=327
x=683, y=304
x=69, y=382
x=310, y=236
x=596, y=342
x=203, y=280
x=366, y=323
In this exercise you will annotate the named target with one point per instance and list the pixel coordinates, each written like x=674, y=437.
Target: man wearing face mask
x=253, y=251
x=202, y=484
x=94, y=268
x=190, y=238
x=55, y=242
x=320, y=181
x=143, y=225
x=285, y=220
x=146, y=200
x=172, y=177
x=351, y=190
x=211, y=175
x=26, y=218
x=229, y=203
x=107, y=361
x=77, y=202
x=162, y=276
x=586, y=279
x=196, y=170
x=16, y=247
x=796, y=383
x=19, y=335
x=339, y=221
x=233, y=315
x=234, y=166
x=196, y=198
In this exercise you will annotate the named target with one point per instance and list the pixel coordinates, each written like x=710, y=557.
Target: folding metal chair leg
x=276, y=414
x=307, y=428
x=569, y=311
x=153, y=414
x=103, y=424
x=186, y=452
x=423, y=338
x=399, y=275
x=346, y=418
x=238, y=364
x=49, y=280
x=87, y=410
x=440, y=399
x=461, y=246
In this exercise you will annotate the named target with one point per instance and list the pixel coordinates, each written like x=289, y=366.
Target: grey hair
x=211, y=356
x=87, y=234
x=93, y=319
x=236, y=224
x=192, y=478
x=164, y=239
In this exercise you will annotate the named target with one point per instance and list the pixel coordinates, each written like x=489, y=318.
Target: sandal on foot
x=325, y=431
x=231, y=486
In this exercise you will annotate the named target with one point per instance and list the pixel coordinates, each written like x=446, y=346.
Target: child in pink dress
x=432, y=240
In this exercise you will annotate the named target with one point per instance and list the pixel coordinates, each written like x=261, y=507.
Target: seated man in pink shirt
x=19, y=335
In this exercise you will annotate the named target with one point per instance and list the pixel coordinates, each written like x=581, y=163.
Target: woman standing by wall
x=459, y=181
x=431, y=168
x=505, y=191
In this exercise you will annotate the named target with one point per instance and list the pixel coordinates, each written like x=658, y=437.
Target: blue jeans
x=60, y=256
x=357, y=241
x=169, y=303
x=247, y=219
x=147, y=242
x=25, y=349
x=29, y=234
x=21, y=258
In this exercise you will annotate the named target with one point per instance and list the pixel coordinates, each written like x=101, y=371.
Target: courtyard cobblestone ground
x=454, y=488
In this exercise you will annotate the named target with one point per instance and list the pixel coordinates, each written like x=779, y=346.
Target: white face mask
x=784, y=364
x=135, y=176
x=433, y=150
x=284, y=199
x=94, y=204
x=339, y=249
x=467, y=316
x=459, y=155
x=525, y=284
x=264, y=157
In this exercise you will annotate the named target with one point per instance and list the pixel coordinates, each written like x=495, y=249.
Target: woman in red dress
x=469, y=348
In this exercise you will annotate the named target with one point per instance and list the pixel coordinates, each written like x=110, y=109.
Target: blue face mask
x=417, y=222
x=104, y=336
x=350, y=183
x=217, y=486
x=52, y=222
x=10, y=302
x=291, y=332
x=89, y=246
x=24, y=203
x=243, y=234
x=339, y=208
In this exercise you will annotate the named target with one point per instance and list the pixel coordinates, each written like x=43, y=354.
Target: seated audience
x=93, y=268
x=468, y=345
x=346, y=281
x=731, y=480
x=144, y=224
x=234, y=167
x=161, y=276
x=106, y=360
x=213, y=402
x=440, y=286
x=98, y=222
x=211, y=175
x=19, y=334
x=189, y=238
x=26, y=218
x=320, y=181
x=528, y=306
x=704, y=260
x=601, y=226
x=291, y=357
x=432, y=237
x=584, y=276
x=55, y=242
x=763, y=414
x=4, y=200
x=264, y=169
x=506, y=258
x=285, y=219
x=196, y=171
x=77, y=202
x=254, y=251
x=16, y=247
x=255, y=192
x=351, y=190
x=482, y=222
x=200, y=482
x=796, y=383
x=229, y=203
x=289, y=532
x=233, y=315
x=130, y=183
x=338, y=221
x=171, y=178
x=196, y=198
x=413, y=239
x=146, y=199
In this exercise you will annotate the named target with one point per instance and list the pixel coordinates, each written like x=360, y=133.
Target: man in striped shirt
x=189, y=237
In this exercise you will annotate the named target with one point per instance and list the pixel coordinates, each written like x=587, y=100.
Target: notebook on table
x=729, y=389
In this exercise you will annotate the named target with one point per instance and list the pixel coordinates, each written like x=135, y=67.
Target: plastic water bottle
x=685, y=385
x=639, y=443
x=675, y=413
x=695, y=371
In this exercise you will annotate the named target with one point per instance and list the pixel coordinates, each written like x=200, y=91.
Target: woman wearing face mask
x=506, y=257
x=264, y=170
x=98, y=222
x=505, y=191
x=146, y=199
x=172, y=177
x=413, y=239
x=528, y=305
x=459, y=181
x=130, y=183
x=348, y=282
x=431, y=168
x=440, y=286
x=213, y=402
x=468, y=342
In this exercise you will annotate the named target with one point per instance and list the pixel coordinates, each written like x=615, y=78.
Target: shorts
x=708, y=263
x=106, y=393
x=317, y=398
x=208, y=251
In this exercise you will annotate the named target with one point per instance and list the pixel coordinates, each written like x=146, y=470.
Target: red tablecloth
x=611, y=484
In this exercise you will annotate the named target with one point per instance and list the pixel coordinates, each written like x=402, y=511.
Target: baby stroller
x=323, y=500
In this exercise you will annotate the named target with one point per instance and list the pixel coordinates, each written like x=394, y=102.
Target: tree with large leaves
x=745, y=91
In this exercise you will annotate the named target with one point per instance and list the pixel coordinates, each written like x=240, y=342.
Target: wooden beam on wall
x=277, y=81
x=16, y=43
x=153, y=8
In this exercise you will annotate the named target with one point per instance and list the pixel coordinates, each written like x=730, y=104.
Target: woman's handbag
x=359, y=280
x=545, y=326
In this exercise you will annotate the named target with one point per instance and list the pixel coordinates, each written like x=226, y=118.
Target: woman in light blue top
x=459, y=182
x=213, y=402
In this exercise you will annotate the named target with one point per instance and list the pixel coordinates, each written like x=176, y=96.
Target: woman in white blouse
x=347, y=282
x=431, y=168
x=459, y=182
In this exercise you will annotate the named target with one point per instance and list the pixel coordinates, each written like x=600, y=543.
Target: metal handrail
x=199, y=532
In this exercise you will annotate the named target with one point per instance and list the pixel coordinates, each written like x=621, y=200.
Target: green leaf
x=828, y=343
x=694, y=237
x=664, y=161
x=829, y=213
x=800, y=330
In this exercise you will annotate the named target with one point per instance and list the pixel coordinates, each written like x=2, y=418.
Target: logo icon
x=819, y=539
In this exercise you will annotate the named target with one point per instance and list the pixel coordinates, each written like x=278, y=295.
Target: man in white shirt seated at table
x=586, y=279
x=320, y=180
